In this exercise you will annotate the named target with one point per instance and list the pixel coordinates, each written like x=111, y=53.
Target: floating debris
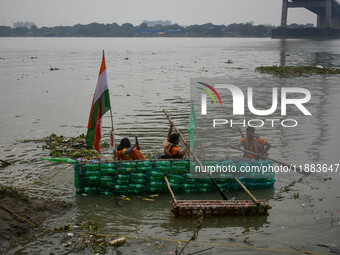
x=73, y=147
x=277, y=70
x=148, y=199
x=54, y=69
x=117, y=242
x=229, y=62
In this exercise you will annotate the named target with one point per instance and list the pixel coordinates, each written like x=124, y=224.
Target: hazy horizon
x=190, y=12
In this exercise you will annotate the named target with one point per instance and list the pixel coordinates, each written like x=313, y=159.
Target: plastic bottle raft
x=105, y=176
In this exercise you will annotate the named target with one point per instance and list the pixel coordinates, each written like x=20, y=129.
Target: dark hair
x=124, y=143
x=173, y=138
x=251, y=129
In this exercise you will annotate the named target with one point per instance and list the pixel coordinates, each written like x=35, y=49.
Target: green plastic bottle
x=181, y=163
x=164, y=169
x=175, y=177
x=205, y=185
x=157, y=184
x=90, y=190
x=137, y=175
x=91, y=167
x=204, y=189
x=189, y=186
x=92, y=180
x=137, y=181
x=144, y=169
x=122, y=188
x=108, y=165
x=175, y=186
x=108, y=171
x=162, y=163
x=91, y=173
x=106, y=182
x=154, y=173
x=155, y=190
x=136, y=186
x=123, y=177
x=127, y=164
x=156, y=178
x=122, y=182
x=144, y=163
x=76, y=181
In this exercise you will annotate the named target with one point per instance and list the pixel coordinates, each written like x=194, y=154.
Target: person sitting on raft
x=171, y=149
x=127, y=152
x=254, y=143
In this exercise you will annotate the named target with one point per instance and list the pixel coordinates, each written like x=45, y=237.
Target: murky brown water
x=145, y=76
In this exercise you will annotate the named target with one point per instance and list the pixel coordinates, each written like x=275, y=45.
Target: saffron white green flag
x=100, y=105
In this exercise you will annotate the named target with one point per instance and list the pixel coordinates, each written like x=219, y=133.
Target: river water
x=147, y=75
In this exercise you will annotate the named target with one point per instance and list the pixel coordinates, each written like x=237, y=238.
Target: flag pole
x=113, y=129
x=111, y=120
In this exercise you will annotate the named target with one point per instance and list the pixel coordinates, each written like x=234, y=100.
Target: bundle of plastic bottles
x=103, y=176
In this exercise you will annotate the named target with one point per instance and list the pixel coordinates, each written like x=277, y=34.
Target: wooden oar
x=239, y=130
x=169, y=187
x=297, y=169
x=247, y=191
x=197, y=160
x=137, y=144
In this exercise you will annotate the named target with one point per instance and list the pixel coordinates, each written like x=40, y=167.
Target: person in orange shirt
x=254, y=143
x=171, y=149
x=127, y=152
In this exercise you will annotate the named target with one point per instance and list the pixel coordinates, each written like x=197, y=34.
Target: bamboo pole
x=197, y=160
x=247, y=191
x=172, y=194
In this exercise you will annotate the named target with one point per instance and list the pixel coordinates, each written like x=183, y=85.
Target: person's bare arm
x=170, y=129
x=182, y=153
x=267, y=146
x=239, y=144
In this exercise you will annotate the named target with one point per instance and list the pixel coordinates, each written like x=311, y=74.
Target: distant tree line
x=128, y=30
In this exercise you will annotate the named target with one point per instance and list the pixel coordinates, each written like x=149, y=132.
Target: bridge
x=327, y=11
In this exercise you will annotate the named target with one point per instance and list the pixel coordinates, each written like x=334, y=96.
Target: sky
x=183, y=12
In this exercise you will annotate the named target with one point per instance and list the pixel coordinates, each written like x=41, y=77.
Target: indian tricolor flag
x=100, y=105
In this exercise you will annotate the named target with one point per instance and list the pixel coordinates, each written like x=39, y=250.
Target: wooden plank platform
x=218, y=207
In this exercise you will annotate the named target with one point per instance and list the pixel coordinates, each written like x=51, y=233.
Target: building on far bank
x=153, y=23
x=23, y=24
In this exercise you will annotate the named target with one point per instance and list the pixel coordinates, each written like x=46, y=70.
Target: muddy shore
x=33, y=209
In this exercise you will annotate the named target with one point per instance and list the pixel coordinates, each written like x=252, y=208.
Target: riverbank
x=33, y=209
